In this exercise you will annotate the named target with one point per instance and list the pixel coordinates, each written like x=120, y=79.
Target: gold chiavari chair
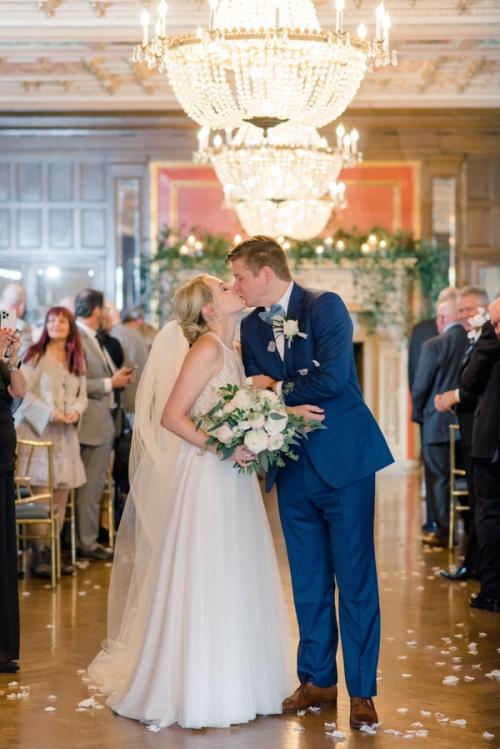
x=458, y=486
x=70, y=518
x=38, y=509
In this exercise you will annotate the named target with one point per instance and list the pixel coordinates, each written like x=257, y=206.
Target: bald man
x=438, y=370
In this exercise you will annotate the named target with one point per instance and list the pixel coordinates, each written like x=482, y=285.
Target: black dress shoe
x=98, y=553
x=9, y=667
x=483, y=602
x=461, y=573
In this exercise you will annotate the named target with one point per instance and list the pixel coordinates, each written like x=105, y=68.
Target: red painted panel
x=381, y=194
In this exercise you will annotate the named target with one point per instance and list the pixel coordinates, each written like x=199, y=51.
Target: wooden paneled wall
x=66, y=153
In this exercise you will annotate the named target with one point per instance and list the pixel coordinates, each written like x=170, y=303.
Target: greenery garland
x=375, y=257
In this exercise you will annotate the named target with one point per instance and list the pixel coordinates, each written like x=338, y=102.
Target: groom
x=326, y=499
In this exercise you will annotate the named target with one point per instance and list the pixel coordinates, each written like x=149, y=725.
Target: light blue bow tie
x=270, y=314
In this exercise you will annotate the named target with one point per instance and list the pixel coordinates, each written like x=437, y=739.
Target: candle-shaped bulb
x=144, y=24
x=162, y=8
x=380, y=12
x=386, y=23
x=346, y=141
x=362, y=31
x=340, y=131
x=354, y=135
x=217, y=140
x=339, y=5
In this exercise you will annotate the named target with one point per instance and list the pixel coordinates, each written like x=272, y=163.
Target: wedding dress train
x=205, y=641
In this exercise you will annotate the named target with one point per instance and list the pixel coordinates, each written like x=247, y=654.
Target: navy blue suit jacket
x=322, y=372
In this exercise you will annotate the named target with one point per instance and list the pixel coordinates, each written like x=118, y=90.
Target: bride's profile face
x=227, y=300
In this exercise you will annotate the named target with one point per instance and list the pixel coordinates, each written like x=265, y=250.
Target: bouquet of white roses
x=257, y=419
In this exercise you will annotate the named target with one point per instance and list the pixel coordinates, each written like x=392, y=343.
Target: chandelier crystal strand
x=265, y=62
x=298, y=219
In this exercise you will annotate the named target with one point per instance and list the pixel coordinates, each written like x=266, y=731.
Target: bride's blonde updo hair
x=187, y=306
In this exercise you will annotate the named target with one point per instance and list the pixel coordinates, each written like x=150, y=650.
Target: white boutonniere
x=477, y=323
x=289, y=328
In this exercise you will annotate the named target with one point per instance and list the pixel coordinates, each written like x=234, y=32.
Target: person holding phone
x=12, y=385
x=51, y=410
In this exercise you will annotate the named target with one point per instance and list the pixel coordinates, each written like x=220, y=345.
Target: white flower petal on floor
x=330, y=725
x=495, y=674
x=338, y=735
x=50, y=709
x=488, y=735
x=459, y=722
x=402, y=710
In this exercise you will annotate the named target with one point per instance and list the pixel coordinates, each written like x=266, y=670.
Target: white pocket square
x=271, y=346
x=303, y=371
x=316, y=363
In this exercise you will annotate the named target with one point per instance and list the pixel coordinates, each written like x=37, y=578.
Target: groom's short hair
x=261, y=251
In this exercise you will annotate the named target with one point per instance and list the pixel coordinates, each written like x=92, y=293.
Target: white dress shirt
x=92, y=334
x=278, y=334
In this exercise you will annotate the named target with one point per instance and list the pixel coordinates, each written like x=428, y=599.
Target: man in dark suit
x=302, y=340
x=438, y=370
x=421, y=333
x=482, y=376
x=470, y=301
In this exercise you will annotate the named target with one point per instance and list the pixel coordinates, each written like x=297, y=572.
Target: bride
x=197, y=626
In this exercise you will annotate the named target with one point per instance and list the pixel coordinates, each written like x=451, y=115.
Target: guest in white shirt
x=97, y=431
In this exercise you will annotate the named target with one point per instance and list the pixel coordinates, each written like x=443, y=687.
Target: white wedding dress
x=207, y=643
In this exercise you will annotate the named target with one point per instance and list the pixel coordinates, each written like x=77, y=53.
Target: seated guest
x=470, y=301
x=51, y=410
x=97, y=432
x=482, y=377
x=438, y=368
x=14, y=298
x=12, y=385
x=421, y=333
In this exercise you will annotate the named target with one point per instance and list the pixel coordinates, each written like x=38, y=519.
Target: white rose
x=229, y=407
x=276, y=422
x=276, y=441
x=256, y=421
x=290, y=328
x=243, y=400
x=256, y=440
x=267, y=396
x=244, y=425
x=224, y=434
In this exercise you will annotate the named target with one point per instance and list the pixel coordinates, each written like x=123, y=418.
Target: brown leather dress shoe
x=434, y=539
x=363, y=712
x=308, y=695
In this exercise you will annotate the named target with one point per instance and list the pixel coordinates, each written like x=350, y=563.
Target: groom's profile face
x=250, y=287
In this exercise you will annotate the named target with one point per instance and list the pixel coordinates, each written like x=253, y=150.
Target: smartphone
x=8, y=318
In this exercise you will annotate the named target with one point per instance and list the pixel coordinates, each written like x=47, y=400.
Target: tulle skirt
x=213, y=648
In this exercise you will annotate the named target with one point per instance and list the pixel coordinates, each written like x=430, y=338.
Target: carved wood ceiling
x=61, y=55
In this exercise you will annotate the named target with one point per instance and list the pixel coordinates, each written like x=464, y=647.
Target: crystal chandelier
x=291, y=162
x=265, y=62
x=298, y=219
x=284, y=183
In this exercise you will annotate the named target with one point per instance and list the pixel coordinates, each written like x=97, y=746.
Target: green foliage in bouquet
x=375, y=257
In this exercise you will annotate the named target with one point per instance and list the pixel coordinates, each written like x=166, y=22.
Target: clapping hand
x=10, y=342
x=71, y=417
